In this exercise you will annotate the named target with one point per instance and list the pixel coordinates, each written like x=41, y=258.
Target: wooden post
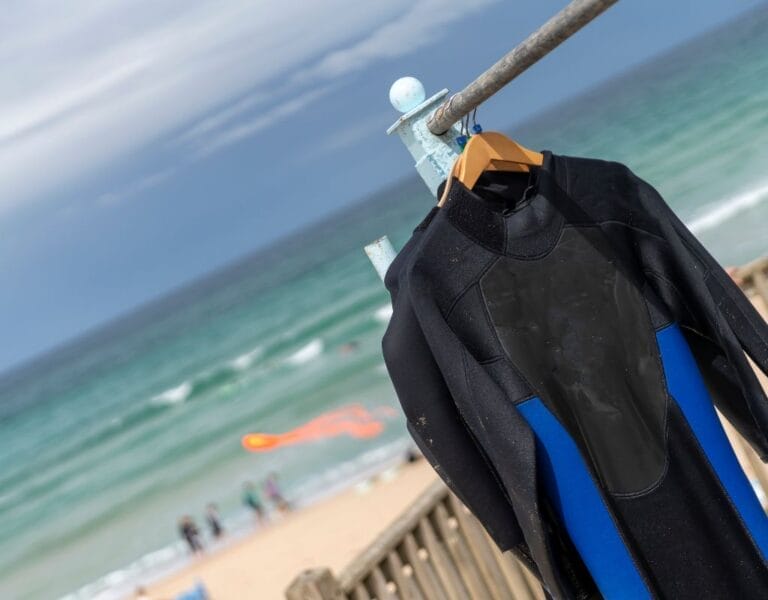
x=314, y=584
x=381, y=254
x=760, y=281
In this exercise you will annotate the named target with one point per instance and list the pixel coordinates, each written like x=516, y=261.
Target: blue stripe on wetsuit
x=578, y=503
x=687, y=388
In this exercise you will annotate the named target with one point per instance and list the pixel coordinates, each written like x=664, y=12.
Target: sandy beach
x=329, y=534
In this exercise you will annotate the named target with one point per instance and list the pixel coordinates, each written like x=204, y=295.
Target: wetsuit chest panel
x=578, y=330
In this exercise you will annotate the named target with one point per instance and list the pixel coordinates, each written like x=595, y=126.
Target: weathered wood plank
x=402, y=575
x=534, y=586
x=760, y=280
x=758, y=466
x=392, y=535
x=468, y=570
x=438, y=557
x=482, y=548
x=425, y=574
x=360, y=592
x=513, y=571
x=380, y=586
x=742, y=450
x=314, y=584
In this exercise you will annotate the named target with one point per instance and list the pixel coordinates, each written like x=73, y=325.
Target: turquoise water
x=107, y=441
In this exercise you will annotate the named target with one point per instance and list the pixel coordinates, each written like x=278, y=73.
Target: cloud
x=415, y=28
x=232, y=133
x=143, y=183
x=222, y=117
x=345, y=137
x=47, y=110
x=93, y=82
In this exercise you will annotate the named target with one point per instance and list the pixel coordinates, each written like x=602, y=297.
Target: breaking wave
x=224, y=373
x=383, y=313
x=120, y=583
x=729, y=208
x=242, y=362
x=306, y=353
x=175, y=395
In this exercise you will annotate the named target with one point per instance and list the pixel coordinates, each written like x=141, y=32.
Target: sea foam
x=242, y=362
x=120, y=583
x=175, y=395
x=306, y=353
x=729, y=208
x=383, y=313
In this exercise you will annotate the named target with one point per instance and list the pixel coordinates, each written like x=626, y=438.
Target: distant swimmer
x=191, y=534
x=213, y=520
x=349, y=347
x=251, y=500
x=274, y=495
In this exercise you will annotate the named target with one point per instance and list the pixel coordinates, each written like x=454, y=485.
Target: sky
x=144, y=143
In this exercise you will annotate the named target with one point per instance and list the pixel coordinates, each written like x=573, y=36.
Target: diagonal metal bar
x=542, y=41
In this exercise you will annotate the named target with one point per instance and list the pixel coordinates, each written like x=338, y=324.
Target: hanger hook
x=464, y=134
x=475, y=127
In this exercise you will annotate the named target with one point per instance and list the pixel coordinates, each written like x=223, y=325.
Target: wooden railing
x=436, y=550
x=753, y=279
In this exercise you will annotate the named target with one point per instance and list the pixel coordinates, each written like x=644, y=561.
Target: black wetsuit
x=557, y=350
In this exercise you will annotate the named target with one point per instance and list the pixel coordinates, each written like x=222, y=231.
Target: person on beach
x=251, y=500
x=141, y=594
x=274, y=495
x=213, y=520
x=733, y=273
x=191, y=534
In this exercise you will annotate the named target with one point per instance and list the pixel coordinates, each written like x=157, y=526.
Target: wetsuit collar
x=529, y=229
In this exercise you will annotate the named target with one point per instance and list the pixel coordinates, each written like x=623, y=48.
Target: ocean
x=108, y=440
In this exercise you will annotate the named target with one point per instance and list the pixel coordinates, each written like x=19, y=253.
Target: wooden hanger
x=489, y=151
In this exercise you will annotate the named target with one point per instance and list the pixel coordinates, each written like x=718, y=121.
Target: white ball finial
x=406, y=94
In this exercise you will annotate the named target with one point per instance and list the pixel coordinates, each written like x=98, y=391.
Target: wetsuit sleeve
x=439, y=431
x=734, y=306
x=505, y=444
x=719, y=322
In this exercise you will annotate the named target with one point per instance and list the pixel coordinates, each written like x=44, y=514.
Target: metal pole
x=424, y=130
x=381, y=253
x=433, y=154
x=542, y=41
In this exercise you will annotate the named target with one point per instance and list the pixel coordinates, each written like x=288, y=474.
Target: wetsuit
x=557, y=349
